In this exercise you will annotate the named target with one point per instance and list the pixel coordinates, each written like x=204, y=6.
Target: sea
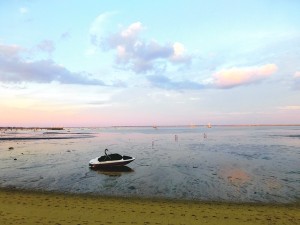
x=222, y=163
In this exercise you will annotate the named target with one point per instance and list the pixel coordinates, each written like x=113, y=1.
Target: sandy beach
x=233, y=176
x=24, y=207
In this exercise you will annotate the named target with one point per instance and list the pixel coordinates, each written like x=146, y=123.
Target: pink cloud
x=297, y=75
x=297, y=80
x=10, y=50
x=242, y=76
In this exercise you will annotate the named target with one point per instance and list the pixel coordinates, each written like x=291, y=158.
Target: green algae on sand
x=23, y=207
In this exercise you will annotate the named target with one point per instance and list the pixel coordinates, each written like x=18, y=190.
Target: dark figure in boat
x=111, y=157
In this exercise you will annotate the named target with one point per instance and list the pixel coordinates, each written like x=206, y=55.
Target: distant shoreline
x=40, y=138
x=32, y=128
x=148, y=126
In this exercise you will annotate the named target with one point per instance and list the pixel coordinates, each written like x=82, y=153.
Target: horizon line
x=154, y=126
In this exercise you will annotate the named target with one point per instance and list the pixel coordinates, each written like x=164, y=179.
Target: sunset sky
x=108, y=63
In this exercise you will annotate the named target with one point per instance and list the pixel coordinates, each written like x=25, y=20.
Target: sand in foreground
x=19, y=207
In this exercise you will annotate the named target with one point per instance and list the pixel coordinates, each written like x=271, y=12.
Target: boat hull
x=94, y=163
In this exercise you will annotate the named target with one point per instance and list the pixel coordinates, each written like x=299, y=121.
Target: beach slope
x=22, y=207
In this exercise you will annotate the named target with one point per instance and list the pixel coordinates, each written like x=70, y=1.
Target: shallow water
x=241, y=164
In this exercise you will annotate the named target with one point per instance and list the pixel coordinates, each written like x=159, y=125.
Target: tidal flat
x=221, y=164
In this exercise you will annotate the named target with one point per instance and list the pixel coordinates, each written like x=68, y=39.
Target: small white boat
x=110, y=160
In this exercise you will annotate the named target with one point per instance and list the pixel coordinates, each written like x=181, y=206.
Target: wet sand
x=24, y=207
x=234, y=164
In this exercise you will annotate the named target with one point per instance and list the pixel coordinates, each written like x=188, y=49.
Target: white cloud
x=132, y=31
x=290, y=107
x=14, y=69
x=179, y=53
x=98, y=27
x=139, y=55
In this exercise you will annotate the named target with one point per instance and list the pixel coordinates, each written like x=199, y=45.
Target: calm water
x=241, y=164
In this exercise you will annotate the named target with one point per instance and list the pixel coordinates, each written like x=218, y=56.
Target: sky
x=132, y=63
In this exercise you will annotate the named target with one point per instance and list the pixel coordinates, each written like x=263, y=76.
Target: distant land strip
x=33, y=128
x=146, y=126
x=42, y=138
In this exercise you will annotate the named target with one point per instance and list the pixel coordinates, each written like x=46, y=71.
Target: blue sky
x=102, y=63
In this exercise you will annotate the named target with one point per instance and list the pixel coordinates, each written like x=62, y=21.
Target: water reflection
x=243, y=164
x=116, y=171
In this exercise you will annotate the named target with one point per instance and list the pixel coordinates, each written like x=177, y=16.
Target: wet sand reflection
x=113, y=171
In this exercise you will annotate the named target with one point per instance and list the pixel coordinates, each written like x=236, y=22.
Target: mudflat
x=27, y=207
x=231, y=164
